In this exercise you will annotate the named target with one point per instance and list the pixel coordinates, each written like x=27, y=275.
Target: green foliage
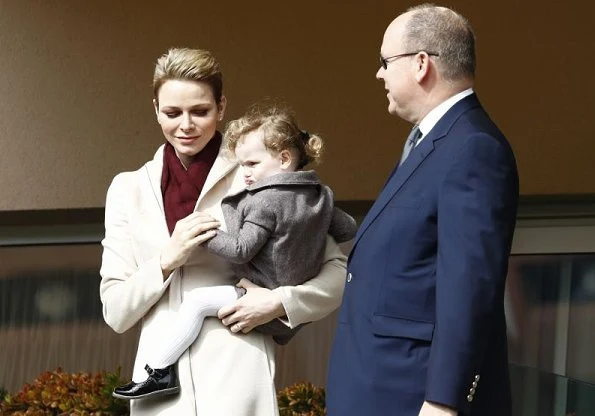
x=302, y=399
x=59, y=393
x=3, y=393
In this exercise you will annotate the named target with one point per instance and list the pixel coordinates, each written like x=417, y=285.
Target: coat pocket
x=389, y=326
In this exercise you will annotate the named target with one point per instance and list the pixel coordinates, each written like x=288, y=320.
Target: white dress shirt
x=430, y=120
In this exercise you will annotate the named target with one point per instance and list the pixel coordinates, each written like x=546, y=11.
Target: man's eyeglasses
x=385, y=61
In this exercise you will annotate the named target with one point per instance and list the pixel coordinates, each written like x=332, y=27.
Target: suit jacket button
x=470, y=398
x=349, y=277
x=477, y=377
x=472, y=391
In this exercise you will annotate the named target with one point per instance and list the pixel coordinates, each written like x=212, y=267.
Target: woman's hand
x=258, y=306
x=189, y=233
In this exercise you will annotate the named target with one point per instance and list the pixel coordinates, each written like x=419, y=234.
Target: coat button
x=477, y=377
x=470, y=398
x=472, y=391
x=349, y=277
x=474, y=384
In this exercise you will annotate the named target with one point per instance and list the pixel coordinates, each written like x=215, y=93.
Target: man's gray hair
x=443, y=31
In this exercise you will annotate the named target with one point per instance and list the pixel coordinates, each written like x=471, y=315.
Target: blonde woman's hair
x=187, y=64
x=280, y=132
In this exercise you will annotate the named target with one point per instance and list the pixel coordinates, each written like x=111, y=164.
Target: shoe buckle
x=149, y=370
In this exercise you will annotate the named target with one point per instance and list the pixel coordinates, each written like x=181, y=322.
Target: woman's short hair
x=187, y=64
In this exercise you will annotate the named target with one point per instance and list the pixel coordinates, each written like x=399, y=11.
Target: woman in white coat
x=156, y=219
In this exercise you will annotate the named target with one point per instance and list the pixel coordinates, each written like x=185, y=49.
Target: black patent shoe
x=161, y=381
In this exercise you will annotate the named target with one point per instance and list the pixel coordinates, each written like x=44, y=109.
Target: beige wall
x=76, y=100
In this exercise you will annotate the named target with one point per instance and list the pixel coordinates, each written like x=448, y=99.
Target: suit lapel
x=421, y=152
x=396, y=181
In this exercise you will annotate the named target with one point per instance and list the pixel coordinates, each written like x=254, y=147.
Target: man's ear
x=422, y=64
x=286, y=158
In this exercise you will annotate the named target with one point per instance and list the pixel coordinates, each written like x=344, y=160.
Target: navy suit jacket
x=422, y=316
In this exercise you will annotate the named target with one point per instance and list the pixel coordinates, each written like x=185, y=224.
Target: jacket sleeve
x=319, y=296
x=127, y=289
x=343, y=227
x=476, y=216
x=256, y=228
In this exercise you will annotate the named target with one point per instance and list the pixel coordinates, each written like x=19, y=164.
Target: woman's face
x=188, y=115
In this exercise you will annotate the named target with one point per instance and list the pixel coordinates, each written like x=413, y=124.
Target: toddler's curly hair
x=280, y=131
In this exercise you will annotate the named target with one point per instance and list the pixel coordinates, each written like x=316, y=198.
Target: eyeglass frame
x=385, y=61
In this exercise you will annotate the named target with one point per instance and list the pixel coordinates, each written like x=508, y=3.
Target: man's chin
x=392, y=110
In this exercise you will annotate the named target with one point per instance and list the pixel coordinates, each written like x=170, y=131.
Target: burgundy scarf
x=180, y=187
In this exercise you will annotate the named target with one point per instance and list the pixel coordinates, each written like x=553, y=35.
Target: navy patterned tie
x=410, y=143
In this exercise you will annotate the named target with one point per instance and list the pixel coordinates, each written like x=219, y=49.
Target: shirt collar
x=430, y=120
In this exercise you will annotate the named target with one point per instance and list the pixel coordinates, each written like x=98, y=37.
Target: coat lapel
x=222, y=166
x=152, y=184
x=417, y=156
x=154, y=169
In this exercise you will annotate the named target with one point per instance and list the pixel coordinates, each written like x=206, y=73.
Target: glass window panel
x=550, y=301
x=50, y=314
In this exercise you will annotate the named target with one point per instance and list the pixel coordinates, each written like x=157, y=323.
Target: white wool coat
x=221, y=374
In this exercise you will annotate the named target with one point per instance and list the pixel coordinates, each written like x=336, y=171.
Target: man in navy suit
x=422, y=329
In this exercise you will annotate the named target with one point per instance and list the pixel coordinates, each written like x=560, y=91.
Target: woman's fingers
x=240, y=325
x=194, y=224
x=225, y=313
x=196, y=228
x=246, y=284
x=235, y=316
x=200, y=227
x=189, y=233
x=231, y=318
x=201, y=238
x=258, y=306
x=247, y=328
x=198, y=217
x=204, y=227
